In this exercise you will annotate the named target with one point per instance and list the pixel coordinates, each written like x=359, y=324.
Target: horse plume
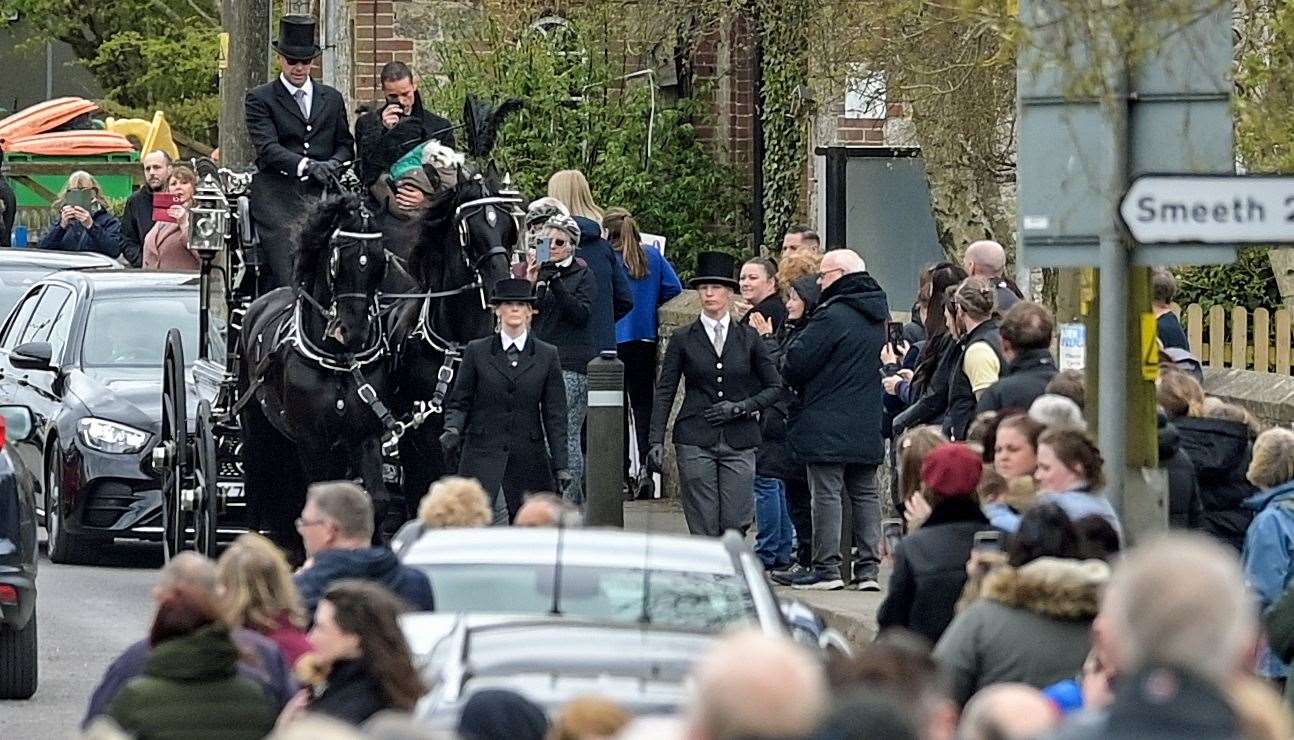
x=331, y=213
x=483, y=120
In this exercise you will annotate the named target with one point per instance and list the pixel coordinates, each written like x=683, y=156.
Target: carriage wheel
x=175, y=520
x=206, y=471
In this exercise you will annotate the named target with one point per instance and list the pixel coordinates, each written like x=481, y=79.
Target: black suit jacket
x=282, y=136
x=511, y=418
x=745, y=371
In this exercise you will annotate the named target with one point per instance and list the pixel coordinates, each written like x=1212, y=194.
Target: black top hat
x=297, y=38
x=715, y=268
x=513, y=290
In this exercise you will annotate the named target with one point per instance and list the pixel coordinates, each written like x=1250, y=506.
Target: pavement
x=852, y=613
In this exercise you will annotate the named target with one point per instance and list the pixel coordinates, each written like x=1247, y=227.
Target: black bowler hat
x=715, y=268
x=513, y=290
x=297, y=38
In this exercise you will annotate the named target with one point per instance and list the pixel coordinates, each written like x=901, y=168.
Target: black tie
x=513, y=353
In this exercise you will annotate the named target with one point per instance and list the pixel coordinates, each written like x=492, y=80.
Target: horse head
x=339, y=270
x=487, y=223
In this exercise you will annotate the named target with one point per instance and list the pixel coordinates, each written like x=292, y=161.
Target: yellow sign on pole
x=1149, y=347
x=223, y=62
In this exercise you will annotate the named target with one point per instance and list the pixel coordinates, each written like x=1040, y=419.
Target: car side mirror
x=33, y=356
x=18, y=421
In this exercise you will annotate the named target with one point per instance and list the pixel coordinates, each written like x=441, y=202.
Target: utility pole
x=246, y=24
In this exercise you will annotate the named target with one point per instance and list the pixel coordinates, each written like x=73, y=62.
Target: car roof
x=54, y=260
x=599, y=548
x=126, y=281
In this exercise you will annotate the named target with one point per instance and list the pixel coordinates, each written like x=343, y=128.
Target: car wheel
x=63, y=547
x=18, y=660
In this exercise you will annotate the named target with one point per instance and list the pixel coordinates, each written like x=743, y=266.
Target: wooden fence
x=1237, y=338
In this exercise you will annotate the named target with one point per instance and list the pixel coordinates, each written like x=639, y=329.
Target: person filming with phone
x=394, y=125
x=84, y=223
x=166, y=245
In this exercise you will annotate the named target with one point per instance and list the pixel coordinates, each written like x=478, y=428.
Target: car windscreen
x=691, y=601
x=14, y=281
x=131, y=329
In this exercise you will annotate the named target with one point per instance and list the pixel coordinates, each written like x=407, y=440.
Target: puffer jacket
x=1220, y=450
x=1030, y=625
x=191, y=688
x=1268, y=557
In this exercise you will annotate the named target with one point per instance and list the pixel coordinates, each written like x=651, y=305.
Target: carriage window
x=20, y=317
x=140, y=341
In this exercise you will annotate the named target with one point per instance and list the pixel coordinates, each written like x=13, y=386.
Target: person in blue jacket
x=1268, y=555
x=79, y=229
x=652, y=281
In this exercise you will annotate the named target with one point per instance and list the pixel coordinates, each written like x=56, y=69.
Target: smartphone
x=162, y=203
x=543, y=250
x=78, y=197
x=894, y=334
x=393, y=100
x=892, y=530
x=988, y=540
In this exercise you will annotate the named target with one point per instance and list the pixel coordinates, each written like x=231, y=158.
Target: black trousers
x=800, y=504
x=640, y=383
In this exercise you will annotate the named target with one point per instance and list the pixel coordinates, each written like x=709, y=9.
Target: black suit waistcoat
x=745, y=371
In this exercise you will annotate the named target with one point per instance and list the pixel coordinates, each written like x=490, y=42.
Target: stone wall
x=679, y=311
x=1268, y=397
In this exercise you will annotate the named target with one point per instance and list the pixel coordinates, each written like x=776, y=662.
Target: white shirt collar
x=292, y=90
x=710, y=323
x=567, y=262
x=507, y=341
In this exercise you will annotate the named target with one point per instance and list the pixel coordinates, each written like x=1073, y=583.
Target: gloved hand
x=564, y=478
x=723, y=412
x=547, y=272
x=450, y=441
x=320, y=172
x=656, y=458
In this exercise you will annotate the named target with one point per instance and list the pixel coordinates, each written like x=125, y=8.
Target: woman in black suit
x=729, y=377
x=507, y=411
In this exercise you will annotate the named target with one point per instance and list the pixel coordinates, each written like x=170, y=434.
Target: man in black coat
x=507, y=412
x=394, y=125
x=137, y=218
x=729, y=376
x=1026, y=344
x=301, y=134
x=834, y=364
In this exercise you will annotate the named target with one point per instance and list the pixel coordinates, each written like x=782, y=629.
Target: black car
x=83, y=351
x=17, y=562
x=21, y=268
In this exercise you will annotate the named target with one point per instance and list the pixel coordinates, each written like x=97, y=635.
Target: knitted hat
x=952, y=470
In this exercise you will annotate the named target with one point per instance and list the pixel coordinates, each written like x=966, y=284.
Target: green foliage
x=1248, y=282
x=148, y=54
x=579, y=116
x=783, y=29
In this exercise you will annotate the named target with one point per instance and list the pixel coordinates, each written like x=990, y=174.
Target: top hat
x=715, y=268
x=297, y=38
x=513, y=290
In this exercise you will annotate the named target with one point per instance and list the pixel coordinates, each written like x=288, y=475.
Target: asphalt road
x=87, y=615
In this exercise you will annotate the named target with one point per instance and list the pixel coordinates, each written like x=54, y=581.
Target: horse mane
x=331, y=213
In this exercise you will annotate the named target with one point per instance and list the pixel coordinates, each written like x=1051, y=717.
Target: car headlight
x=109, y=436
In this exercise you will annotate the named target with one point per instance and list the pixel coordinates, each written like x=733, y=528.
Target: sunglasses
x=292, y=62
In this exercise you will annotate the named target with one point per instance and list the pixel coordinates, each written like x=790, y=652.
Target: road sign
x=1209, y=209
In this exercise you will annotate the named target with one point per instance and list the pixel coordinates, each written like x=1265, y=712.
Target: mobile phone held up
x=988, y=540
x=394, y=100
x=894, y=334
x=892, y=529
x=162, y=203
x=544, y=250
x=77, y=197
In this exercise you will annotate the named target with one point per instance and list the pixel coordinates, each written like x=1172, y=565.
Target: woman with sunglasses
x=564, y=297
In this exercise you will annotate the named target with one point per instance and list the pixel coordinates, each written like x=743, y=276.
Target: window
x=111, y=342
x=41, y=325
x=21, y=315
x=865, y=94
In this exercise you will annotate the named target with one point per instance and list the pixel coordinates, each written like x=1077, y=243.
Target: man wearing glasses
x=302, y=138
x=834, y=365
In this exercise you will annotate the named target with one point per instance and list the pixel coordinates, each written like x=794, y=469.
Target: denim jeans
x=829, y=483
x=773, y=522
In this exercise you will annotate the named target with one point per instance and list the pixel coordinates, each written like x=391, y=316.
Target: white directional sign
x=1210, y=209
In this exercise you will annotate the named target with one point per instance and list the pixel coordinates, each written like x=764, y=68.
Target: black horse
x=315, y=366
x=465, y=248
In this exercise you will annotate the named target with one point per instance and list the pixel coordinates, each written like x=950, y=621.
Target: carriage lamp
x=208, y=219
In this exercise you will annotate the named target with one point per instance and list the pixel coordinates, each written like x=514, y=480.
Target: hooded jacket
x=612, y=297
x=930, y=569
x=774, y=458
x=376, y=564
x=1184, y=508
x=1268, y=556
x=1030, y=625
x=834, y=366
x=191, y=688
x=1221, y=451
x=1024, y=379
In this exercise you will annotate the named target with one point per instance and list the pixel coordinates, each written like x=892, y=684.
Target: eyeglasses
x=825, y=273
x=560, y=242
x=302, y=522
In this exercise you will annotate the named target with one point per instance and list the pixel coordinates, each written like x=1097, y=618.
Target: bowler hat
x=952, y=470
x=513, y=290
x=715, y=268
x=297, y=38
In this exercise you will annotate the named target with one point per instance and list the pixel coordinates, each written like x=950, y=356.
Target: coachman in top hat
x=301, y=133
